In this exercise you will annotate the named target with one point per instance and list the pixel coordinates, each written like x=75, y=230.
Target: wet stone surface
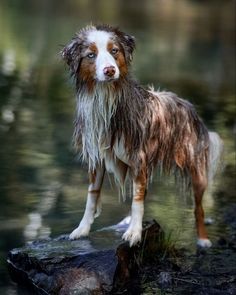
x=60, y=266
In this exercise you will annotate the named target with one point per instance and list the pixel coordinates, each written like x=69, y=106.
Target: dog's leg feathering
x=93, y=204
x=134, y=231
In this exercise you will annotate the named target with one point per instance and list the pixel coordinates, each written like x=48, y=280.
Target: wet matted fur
x=126, y=129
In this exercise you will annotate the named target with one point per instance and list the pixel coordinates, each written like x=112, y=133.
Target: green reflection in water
x=187, y=48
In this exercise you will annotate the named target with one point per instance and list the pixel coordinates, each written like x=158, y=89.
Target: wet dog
x=129, y=131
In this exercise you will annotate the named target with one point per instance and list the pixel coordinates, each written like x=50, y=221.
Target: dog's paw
x=133, y=236
x=80, y=231
x=204, y=243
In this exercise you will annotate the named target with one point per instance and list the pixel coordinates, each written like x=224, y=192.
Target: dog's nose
x=109, y=71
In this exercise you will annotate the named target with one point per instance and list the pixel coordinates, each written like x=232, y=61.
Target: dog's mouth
x=107, y=80
x=111, y=79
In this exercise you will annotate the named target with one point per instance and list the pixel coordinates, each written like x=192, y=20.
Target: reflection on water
x=186, y=47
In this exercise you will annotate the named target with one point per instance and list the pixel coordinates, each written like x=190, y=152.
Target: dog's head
x=99, y=53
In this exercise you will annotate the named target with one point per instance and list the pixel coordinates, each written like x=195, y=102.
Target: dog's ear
x=128, y=43
x=71, y=53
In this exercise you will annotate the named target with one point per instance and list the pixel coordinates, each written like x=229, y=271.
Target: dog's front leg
x=134, y=231
x=93, y=204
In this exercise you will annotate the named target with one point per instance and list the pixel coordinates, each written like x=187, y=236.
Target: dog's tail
x=216, y=148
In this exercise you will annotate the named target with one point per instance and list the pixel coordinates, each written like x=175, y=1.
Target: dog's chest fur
x=95, y=112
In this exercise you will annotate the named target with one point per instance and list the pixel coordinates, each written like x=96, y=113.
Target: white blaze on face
x=104, y=58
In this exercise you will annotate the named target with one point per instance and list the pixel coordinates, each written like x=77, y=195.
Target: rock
x=60, y=266
x=164, y=279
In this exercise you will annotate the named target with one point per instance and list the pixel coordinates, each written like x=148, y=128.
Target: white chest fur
x=95, y=113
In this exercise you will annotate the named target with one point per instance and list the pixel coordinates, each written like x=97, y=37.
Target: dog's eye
x=91, y=55
x=114, y=51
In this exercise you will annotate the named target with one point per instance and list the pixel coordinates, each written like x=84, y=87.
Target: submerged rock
x=60, y=266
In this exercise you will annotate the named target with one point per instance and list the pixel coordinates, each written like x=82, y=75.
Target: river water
x=184, y=46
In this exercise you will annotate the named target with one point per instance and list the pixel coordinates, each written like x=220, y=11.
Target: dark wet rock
x=60, y=266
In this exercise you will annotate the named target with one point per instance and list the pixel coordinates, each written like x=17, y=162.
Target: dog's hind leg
x=93, y=204
x=134, y=232
x=199, y=181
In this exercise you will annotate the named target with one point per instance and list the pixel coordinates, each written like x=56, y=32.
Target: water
x=187, y=48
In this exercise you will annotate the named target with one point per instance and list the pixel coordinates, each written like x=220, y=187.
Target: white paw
x=80, y=231
x=133, y=235
x=204, y=243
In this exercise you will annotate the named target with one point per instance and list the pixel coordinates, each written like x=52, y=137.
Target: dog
x=128, y=130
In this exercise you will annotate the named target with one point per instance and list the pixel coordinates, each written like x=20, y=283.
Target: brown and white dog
x=128, y=130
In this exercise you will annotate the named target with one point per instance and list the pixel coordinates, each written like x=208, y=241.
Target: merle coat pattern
x=128, y=130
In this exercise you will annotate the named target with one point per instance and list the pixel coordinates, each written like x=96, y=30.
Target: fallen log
x=60, y=266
